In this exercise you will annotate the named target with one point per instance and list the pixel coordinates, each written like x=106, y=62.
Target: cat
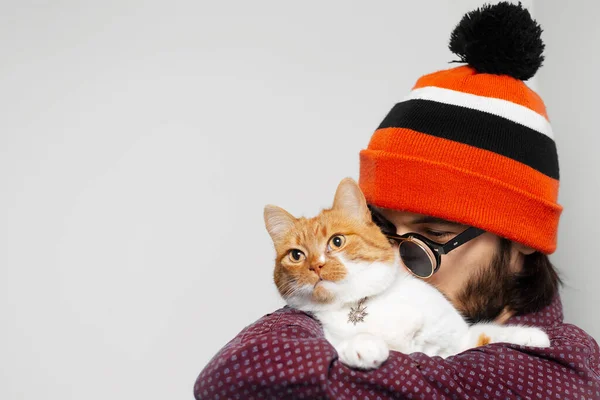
x=340, y=267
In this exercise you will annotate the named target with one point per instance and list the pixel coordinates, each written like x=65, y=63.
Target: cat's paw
x=484, y=333
x=363, y=351
x=531, y=337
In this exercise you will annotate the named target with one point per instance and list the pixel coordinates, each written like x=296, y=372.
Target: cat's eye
x=296, y=255
x=337, y=241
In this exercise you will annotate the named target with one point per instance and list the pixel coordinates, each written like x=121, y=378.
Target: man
x=470, y=147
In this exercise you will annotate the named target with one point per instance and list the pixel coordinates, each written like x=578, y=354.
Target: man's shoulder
x=572, y=334
x=577, y=344
x=570, y=345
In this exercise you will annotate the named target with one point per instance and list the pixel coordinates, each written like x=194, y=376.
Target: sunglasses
x=422, y=256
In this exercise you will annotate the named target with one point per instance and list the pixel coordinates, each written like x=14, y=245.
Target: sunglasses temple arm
x=395, y=237
x=462, y=238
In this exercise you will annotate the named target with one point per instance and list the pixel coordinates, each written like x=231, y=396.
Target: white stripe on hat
x=502, y=108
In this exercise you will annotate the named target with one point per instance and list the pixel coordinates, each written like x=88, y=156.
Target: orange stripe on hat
x=410, y=143
x=466, y=79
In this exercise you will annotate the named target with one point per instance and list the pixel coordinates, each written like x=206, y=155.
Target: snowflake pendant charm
x=358, y=313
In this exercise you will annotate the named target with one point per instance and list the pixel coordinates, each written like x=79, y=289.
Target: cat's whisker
x=290, y=288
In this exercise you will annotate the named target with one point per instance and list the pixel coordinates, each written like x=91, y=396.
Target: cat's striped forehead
x=319, y=229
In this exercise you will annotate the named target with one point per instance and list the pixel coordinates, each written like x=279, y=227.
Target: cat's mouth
x=317, y=282
x=320, y=294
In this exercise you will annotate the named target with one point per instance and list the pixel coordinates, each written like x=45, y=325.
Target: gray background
x=139, y=142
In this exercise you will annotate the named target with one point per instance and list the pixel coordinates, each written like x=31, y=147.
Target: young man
x=470, y=146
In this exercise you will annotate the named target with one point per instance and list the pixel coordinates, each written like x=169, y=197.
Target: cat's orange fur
x=363, y=242
x=483, y=340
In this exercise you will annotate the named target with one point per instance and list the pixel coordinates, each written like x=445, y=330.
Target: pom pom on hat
x=499, y=39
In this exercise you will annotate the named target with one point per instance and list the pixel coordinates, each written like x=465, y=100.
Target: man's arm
x=285, y=355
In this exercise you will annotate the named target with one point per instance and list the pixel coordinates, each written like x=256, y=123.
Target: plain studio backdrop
x=140, y=141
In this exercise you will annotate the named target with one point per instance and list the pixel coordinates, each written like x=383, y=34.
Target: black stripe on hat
x=477, y=128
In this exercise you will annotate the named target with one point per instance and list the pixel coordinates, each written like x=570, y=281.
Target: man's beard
x=489, y=291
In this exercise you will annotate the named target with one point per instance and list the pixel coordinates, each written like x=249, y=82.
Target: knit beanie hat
x=473, y=144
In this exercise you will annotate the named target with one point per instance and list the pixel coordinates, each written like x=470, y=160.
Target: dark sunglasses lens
x=415, y=258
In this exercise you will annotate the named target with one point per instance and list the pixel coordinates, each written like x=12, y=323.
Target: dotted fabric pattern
x=284, y=355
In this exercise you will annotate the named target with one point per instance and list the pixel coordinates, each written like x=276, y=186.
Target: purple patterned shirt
x=284, y=355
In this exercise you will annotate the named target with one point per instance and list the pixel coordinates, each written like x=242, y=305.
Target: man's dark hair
x=535, y=286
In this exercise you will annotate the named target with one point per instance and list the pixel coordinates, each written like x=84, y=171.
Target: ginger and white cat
x=340, y=267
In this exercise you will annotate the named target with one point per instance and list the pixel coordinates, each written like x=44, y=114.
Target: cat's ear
x=278, y=222
x=350, y=200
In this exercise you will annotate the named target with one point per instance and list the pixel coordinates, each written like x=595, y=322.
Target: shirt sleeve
x=285, y=355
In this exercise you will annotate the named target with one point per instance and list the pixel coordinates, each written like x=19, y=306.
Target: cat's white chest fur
x=397, y=327
x=405, y=316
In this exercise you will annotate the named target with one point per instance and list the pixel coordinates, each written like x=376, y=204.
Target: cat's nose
x=316, y=268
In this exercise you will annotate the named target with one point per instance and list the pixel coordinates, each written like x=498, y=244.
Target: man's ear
x=525, y=250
